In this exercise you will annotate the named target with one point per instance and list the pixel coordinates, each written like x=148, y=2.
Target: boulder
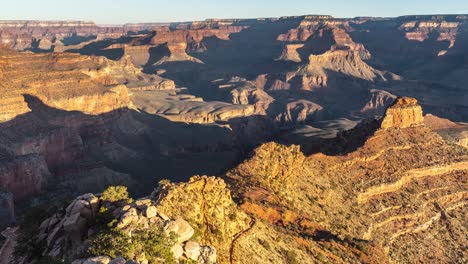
x=177, y=250
x=118, y=261
x=75, y=226
x=142, y=204
x=207, y=255
x=181, y=228
x=129, y=217
x=192, y=250
x=151, y=211
x=98, y=260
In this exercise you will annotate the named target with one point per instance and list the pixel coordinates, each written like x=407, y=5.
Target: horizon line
x=226, y=18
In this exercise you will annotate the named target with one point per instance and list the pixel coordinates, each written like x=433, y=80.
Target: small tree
x=152, y=243
x=115, y=194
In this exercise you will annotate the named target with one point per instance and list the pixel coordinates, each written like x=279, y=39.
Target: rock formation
x=177, y=52
x=66, y=236
x=405, y=112
x=379, y=102
x=290, y=53
x=23, y=35
x=450, y=131
x=388, y=190
x=188, y=108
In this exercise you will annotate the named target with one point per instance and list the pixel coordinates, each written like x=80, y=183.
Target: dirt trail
x=6, y=252
x=410, y=176
x=236, y=237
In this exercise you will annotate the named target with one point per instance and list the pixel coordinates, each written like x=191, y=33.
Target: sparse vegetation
x=151, y=244
x=116, y=194
x=291, y=257
x=164, y=182
x=264, y=244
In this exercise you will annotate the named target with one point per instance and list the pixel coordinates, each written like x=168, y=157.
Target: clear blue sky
x=124, y=11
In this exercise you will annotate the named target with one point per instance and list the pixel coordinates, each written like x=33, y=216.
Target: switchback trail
x=237, y=236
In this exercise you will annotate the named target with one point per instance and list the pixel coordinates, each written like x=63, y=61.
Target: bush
x=265, y=244
x=291, y=257
x=116, y=194
x=152, y=243
x=104, y=218
x=164, y=182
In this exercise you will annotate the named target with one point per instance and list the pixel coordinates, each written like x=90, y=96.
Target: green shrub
x=265, y=244
x=116, y=194
x=321, y=258
x=113, y=243
x=152, y=243
x=291, y=257
x=189, y=261
x=104, y=217
x=164, y=182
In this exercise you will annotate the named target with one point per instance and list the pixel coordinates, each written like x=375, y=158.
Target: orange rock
x=405, y=112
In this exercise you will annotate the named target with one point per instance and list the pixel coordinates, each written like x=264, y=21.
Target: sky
x=131, y=11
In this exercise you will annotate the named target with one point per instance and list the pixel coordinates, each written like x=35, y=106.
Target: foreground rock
x=67, y=235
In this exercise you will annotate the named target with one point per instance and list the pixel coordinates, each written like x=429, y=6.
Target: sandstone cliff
x=405, y=112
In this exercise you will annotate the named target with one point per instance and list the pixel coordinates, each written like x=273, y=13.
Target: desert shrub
x=104, y=218
x=116, y=194
x=321, y=258
x=232, y=216
x=113, y=243
x=197, y=234
x=291, y=257
x=265, y=244
x=189, y=261
x=151, y=243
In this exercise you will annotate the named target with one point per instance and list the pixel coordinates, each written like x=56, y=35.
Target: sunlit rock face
x=405, y=112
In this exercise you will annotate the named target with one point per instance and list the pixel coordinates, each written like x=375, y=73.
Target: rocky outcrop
x=421, y=28
x=321, y=33
x=450, y=131
x=177, y=52
x=272, y=166
x=330, y=68
x=67, y=234
x=393, y=189
x=211, y=209
x=188, y=108
x=345, y=62
x=404, y=113
x=192, y=34
x=298, y=112
x=290, y=53
x=379, y=102
x=67, y=231
x=60, y=85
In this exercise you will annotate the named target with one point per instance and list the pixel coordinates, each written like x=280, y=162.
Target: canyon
x=338, y=140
